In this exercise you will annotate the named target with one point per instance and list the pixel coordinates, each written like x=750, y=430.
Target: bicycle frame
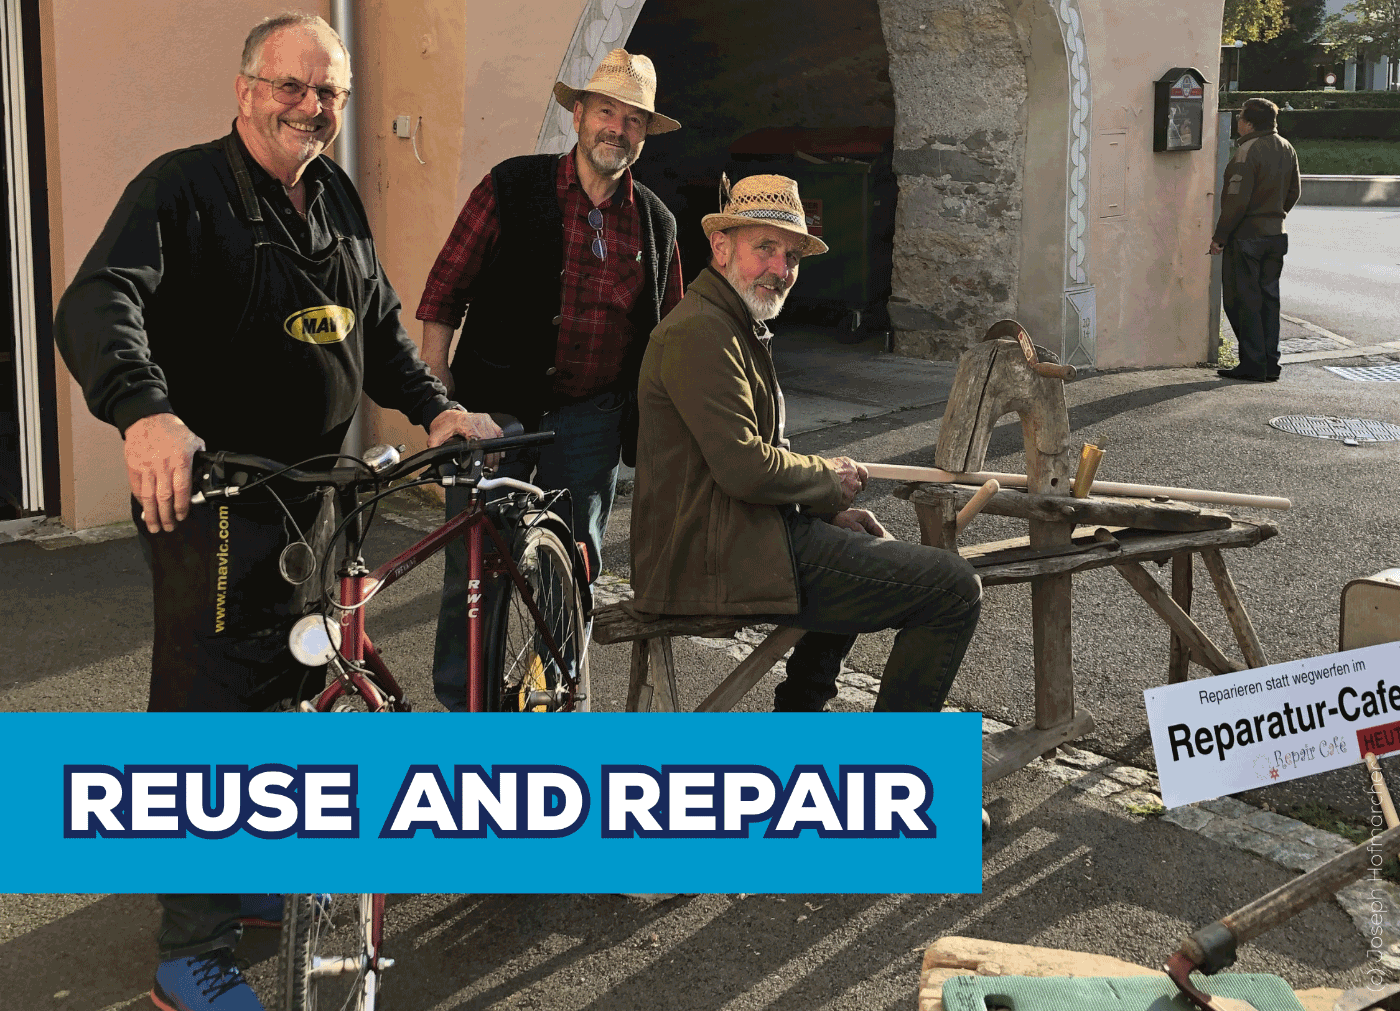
x=358, y=586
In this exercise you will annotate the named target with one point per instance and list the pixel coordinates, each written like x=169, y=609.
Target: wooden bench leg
x=1204, y=651
x=750, y=670
x=1179, y=663
x=652, y=685
x=1234, y=608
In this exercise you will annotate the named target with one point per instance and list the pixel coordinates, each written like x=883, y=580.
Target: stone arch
x=992, y=135
x=602, y=27
x=987, y=96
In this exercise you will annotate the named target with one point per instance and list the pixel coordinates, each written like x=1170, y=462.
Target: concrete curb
x=1351, y=191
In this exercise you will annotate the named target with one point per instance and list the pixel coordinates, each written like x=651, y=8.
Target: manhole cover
x=1342, y=429
x=1370, y=374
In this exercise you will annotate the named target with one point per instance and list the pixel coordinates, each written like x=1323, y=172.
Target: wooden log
x=1234, y=609
x=750, y=670
x=938, y=524
x=617, y=623
x=1203, y=650
x=1125, y=512
x=1005, y=752
x=1179, y=662
x=896, y=472
x=1150, y=547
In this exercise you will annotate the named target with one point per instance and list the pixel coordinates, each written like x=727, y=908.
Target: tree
x=1253, y=20
x=1367, y=26
x=1286, y=63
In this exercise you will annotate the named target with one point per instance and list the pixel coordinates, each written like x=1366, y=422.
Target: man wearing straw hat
x=726, y=519
x=560, y=355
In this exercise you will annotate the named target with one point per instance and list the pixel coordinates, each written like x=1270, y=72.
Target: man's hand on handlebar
x=468, y=426
x=159, y=460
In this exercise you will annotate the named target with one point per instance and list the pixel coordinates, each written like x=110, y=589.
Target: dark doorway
x=787, y=87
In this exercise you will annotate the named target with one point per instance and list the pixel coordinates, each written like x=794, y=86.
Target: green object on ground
x=1106, y=993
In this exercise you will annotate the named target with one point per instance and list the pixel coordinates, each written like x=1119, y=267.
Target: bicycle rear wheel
x=518, y=660
x=325, y=966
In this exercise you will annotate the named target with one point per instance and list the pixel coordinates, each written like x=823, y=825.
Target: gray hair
x=269, y=26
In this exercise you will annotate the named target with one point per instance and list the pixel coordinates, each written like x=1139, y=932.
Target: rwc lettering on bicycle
x=678, y=802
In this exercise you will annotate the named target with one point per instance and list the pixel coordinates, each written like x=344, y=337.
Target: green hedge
x=1340, y=124
x=1316, y=99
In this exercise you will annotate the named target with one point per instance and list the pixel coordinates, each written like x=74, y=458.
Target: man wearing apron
x=234, y=301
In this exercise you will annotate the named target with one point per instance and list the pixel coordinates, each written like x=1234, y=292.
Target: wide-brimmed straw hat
x=627, y=78
x=763, y=200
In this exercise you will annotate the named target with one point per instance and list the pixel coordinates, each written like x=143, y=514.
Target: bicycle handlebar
x=454, y=450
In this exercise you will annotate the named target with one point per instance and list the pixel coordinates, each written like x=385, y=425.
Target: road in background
x=1342, y=271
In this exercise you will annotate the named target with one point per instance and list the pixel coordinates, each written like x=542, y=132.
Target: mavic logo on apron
x=322, y=324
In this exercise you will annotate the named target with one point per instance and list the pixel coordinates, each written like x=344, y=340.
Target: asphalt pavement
x=1065, y=867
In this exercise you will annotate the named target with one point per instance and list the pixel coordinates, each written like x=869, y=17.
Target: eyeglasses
x=595, y=221
x=290, y=91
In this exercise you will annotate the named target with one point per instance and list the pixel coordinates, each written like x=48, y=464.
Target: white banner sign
x=1221, y=735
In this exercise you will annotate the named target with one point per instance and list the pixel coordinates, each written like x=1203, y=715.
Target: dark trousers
x=582, y=458
x=851, y=583
x=222, y=613
x=1250, y=273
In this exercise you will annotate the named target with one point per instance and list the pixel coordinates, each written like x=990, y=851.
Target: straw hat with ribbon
x=627, y=78
x=762, y=200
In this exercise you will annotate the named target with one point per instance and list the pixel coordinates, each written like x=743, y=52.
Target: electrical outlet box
x=402, y=126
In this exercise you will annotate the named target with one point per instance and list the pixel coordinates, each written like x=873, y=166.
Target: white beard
x=763, y=305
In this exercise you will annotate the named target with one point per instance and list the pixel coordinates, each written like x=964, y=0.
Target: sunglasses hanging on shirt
x=599, y=246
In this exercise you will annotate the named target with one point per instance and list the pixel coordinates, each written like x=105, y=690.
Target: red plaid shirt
x=596, y=295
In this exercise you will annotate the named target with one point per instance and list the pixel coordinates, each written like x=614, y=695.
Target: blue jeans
x=850, y=583
x=582, y=458
x=1250, y=275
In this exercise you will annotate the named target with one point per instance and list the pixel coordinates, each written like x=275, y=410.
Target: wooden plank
x=1179, y=662
x=1142, y=514
x=615, y=623
x=665, y=698
x=1203, y=650
x=638, y=683
x=750, y=670
x=1005, y=752
x=1151, y=547
x=1250, y=646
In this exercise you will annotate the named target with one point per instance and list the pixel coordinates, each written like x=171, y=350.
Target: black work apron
x=222, y=607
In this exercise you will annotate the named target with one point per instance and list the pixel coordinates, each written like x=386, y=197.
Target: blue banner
x=440, y=802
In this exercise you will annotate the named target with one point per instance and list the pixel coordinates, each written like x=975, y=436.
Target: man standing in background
x=562, y=266
x=1261, y=186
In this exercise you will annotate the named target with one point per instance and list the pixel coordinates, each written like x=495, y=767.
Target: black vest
x=509, y=338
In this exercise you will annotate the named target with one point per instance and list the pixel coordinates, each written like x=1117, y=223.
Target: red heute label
x=1381, y=740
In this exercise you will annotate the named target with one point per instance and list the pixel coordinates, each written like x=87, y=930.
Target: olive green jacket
x=713, y=467
x=1261, y=186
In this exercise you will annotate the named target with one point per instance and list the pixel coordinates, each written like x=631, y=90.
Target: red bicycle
x=526, y=639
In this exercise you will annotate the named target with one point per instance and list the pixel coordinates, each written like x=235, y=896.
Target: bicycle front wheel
x=327, y=965
x=518, y=658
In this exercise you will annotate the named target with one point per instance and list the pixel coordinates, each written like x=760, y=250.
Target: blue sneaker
x=209, y=981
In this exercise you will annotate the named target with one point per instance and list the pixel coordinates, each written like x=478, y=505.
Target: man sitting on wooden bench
x=727, y=520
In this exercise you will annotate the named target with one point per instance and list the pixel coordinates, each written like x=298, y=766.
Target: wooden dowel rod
x=896, y=472
x=975, y=504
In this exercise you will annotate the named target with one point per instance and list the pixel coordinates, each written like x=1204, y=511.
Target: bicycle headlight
x=314, y=640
